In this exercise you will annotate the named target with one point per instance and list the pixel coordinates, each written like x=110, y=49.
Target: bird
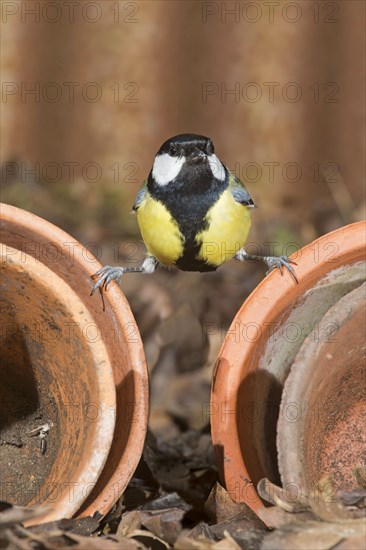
x=193, y=213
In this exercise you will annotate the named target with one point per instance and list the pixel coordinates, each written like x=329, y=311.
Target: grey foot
x=272, y=262
x=105, y=276
x=280, y=262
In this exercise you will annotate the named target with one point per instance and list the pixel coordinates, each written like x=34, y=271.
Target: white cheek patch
x=217, y=168
x=166, y=168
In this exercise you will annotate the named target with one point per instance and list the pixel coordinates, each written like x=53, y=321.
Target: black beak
x=197, y=157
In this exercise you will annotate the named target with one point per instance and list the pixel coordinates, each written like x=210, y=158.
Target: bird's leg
x=107, y=274
x=272, y=262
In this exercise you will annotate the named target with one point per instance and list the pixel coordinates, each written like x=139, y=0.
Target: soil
x=25, y=460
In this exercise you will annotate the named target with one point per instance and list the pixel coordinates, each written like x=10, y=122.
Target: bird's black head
x=188, y=155
x=190, y=146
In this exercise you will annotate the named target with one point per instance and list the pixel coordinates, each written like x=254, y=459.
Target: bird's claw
x=105, y=276
x=280, y=262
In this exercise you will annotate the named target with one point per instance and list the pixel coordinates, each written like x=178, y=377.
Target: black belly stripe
x=188, y=201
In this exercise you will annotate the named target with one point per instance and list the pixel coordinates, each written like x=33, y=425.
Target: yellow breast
x=228, y=228
x=159, y=231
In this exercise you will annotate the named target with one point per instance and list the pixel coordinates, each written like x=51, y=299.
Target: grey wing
x=239, y=192
x=140, y=196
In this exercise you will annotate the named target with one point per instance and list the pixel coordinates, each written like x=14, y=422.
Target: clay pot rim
x=263, y=304
x=121, y=310
x=114, y=295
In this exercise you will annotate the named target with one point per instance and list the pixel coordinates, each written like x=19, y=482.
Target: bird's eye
x=172, y=150
x=210, y=148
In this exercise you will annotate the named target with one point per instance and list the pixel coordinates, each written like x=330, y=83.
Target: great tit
x=193, y=213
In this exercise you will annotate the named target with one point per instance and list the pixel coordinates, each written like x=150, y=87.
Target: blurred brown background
x=91, y=89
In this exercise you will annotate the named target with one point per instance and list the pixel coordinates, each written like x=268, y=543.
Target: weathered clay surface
x=69, y=364
x=325, y=394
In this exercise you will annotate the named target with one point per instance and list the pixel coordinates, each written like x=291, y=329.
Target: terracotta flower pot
x=259, y=349
x=69, y=367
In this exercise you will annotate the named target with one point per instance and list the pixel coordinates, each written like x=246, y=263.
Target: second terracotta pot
x=259, y=349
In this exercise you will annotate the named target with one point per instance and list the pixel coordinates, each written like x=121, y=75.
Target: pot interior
x=333, y=432
x=260, y=392
x=50, y=377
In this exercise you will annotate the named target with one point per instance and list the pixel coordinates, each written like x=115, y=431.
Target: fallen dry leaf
x=200, y=531
x=276, y=495
x=149, y=539
x=166, y=524
x=130, y=521
x=325, y=504
x=221, y=507
x=202, y=543
x=12, y=515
